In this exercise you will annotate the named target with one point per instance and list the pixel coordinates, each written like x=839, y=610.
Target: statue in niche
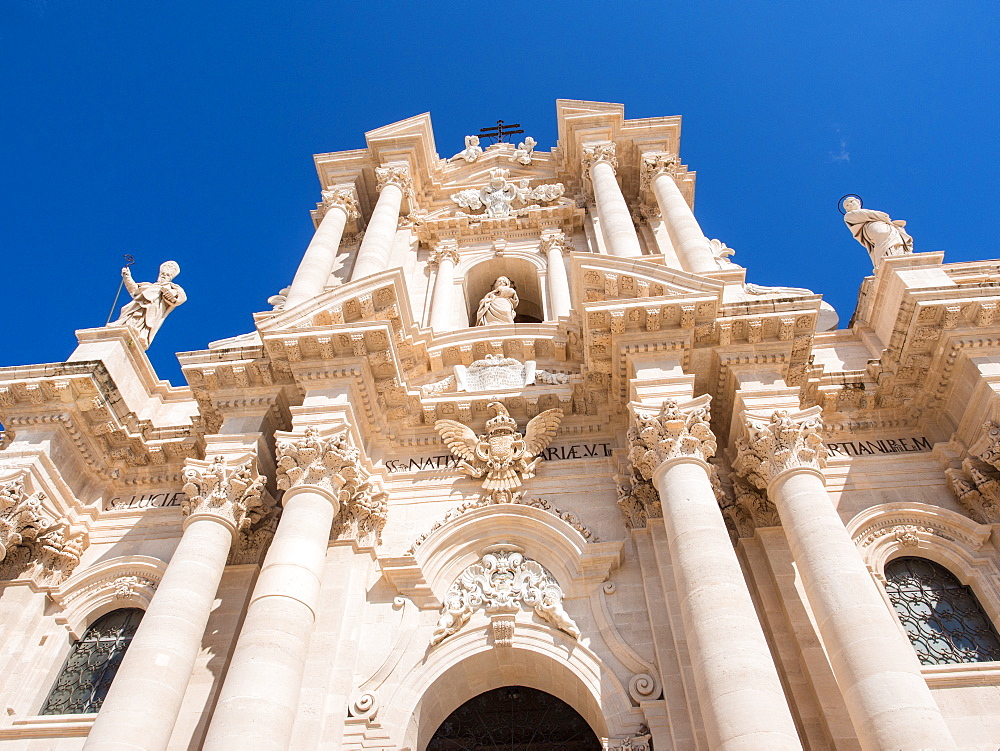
x=151, y=302
x=497, y=305
x=524, y=151
x=877, y=231
x=471, y=152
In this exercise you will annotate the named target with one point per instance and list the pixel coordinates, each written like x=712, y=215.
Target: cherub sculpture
x=471, y=152
x=503, y=455
x=524, y=151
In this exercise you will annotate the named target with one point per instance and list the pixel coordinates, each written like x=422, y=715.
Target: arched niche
x=522, y=272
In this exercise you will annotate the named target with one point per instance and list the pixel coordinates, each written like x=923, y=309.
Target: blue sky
x=186, y=130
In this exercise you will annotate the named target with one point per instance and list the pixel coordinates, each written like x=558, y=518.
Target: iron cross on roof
x=500, y=131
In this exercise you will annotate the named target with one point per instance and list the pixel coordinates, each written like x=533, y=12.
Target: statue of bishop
x=151, y=302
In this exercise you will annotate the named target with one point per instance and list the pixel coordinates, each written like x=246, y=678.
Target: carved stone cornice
x=597, y=153
x=655, y=164
x=678, y=430
x=345, y=199
x=29, y=535
x=234, y=494
x=445, y=249
x=783, y=443
x=394, y=174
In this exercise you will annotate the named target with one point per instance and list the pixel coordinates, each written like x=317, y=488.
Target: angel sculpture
x=502, y=454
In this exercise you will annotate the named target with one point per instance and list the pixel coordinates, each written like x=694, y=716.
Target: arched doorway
x=514, y=718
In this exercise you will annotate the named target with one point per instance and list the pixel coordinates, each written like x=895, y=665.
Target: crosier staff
x=129, y=260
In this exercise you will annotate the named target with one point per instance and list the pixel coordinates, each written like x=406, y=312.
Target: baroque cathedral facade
x=519, y=460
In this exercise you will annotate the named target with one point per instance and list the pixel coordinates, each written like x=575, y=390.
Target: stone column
x=142, y=705
x=600, y=163
x=874, y=664
x=257, y=704
x=445, y=256
x=393, y=183
x=741, y=698
x=314, y=270
x=553, y=246
x=691, y=245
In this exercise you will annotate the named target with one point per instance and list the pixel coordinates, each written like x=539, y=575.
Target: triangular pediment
x=604, y=278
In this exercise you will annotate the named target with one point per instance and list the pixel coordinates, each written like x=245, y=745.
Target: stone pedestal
x=741, y=698
x=373, y=255
x=876, y=668
x=317, y=263
x=616, y=220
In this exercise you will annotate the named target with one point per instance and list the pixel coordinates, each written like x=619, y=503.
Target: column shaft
x=876, y=668
x=740, y=693
x=441, y=302
x=559, y=299
x=616, y=221
x=143, y=703
x=373, y=255
x=258, y=701
x=686, y=236
x=317, y=263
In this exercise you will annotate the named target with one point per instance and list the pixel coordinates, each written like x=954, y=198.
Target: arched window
x=942, y=617
x=92, y=663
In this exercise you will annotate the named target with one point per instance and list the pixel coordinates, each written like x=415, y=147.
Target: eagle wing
x=459, y=438
x=541, y=430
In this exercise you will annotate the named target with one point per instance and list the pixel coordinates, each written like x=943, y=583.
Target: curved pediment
x=600, y=278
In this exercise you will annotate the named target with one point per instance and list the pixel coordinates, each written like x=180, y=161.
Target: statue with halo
x=880, y=234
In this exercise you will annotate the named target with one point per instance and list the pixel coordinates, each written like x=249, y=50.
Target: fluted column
x=142, y=705
x=739, y=691
x=257, y=704
x=875, y=666
x=314, y=270
x=445, y=256
x=691, y=245
x=393, y=183
x=600, y=162
x=553, y=246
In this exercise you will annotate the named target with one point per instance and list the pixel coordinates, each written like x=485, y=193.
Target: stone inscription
x=552, y=453
x=882, y=446
x=146, y=500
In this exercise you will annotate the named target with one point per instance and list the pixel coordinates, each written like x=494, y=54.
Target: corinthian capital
x=597, y=153
x=445, y=249
x=655, y=164
x=553, y=239
x=311, y=459
x=344, y=199
x=29, y=535
x=780, y=444
x=231, y=492
x=398, y=175
x=678, y=430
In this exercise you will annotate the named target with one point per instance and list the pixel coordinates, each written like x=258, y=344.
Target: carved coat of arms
x=502, y=454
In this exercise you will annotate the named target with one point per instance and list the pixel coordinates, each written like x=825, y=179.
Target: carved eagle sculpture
x=502, y=454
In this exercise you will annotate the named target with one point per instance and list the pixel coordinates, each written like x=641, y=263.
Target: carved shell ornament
x=501, y=456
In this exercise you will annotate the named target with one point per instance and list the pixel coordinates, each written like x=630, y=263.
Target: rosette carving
x=232, y=492
x=777, y=445
x=597, y=153
x=678, y=430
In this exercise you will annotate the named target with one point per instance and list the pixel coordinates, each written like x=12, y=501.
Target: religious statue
x=502, y=454
x=151, y=302
x=524, y=151
x=471, y=152
x=497, y=305
x=876, y=230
